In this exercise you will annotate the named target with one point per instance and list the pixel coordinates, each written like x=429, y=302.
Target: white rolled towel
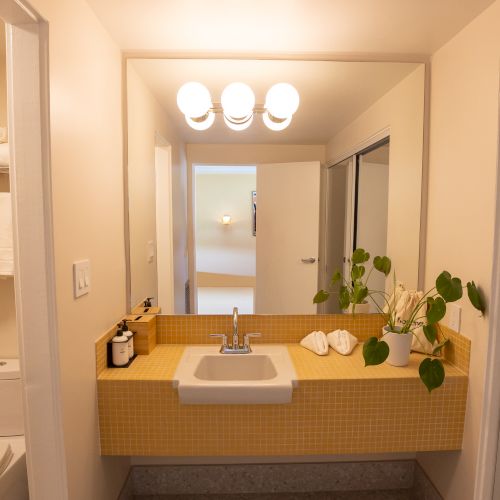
x=316, y=342
x=342, y=341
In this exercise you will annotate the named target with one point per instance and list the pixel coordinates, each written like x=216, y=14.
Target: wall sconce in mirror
x=226, y=220
x=238, y=106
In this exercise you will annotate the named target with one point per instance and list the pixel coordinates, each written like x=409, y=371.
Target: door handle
x=310, y=260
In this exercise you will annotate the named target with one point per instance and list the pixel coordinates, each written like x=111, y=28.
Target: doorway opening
x=225, y=240
x=28, y=137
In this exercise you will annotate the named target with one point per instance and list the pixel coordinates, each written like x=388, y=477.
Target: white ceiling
x=341, y=26
x=401, y=30
x=332, y=93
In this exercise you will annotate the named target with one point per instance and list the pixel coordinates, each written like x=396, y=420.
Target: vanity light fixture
x=226, y=220
x=238, y=106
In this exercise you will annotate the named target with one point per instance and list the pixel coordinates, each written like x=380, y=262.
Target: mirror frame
x=279, y=56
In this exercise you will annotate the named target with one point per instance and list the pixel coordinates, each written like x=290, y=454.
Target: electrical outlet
x=454, y=316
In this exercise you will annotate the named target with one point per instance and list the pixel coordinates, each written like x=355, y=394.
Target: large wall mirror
x=260, y=219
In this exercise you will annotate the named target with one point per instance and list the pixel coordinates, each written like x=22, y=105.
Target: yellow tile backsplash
x=275, y=328
x=339, y=407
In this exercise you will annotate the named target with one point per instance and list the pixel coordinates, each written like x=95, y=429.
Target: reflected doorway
x=225, y=241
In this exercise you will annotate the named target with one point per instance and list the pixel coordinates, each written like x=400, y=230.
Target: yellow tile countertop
x=339, y=407
x=161, y=364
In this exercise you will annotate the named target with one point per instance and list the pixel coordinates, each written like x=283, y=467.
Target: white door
x=287, y=237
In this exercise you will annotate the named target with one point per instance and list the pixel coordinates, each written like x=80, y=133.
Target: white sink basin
x=264, y=376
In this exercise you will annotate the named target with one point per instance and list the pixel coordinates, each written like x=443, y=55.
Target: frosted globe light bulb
x=202, y=124
x=282, y=100
x=193, y=99
x=237, y=100
x=273, y=124
x=238, y=126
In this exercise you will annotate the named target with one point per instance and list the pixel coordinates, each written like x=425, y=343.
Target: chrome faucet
x=235, y=348
x=236, y=340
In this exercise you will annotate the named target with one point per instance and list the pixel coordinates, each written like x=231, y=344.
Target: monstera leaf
x=336, y=277
x=436, y=311
x=431, y=372
x=375, y=351
x=382, y=264
x=359, y=256
x=344, y=298
x=359, y=294
x=475, y=297
x=357, y=272
x=430, y=333
x=321, y=296
x=449, y=288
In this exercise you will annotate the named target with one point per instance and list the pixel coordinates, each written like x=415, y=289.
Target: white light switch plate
x=454, y=316
x=81, y=277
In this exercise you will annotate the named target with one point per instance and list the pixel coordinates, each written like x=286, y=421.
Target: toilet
x=13, y=476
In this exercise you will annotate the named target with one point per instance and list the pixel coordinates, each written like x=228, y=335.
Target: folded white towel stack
x=6, y=455
x=342, y=341
x=316, y=342
x=6, y=249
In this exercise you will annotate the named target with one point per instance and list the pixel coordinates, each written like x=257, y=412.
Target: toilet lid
x=6, y=455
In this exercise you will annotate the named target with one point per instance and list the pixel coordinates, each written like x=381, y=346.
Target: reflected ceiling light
x=238, y=124
x=282, y=100
x=203, y=122
x=194, y=100
x=226, y=220
x=274, y=123
x=238, y=106
x=237, y=101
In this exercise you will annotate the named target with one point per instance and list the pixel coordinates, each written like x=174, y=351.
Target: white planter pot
x=399, y=347
x=363, y=308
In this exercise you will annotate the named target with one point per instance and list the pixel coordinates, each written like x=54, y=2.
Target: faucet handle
x=223, y=336
x=247, y=336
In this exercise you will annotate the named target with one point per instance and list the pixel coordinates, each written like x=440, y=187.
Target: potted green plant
x=353, y=291
x=397, y=337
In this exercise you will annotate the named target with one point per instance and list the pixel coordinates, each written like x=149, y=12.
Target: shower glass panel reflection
x=356, y=213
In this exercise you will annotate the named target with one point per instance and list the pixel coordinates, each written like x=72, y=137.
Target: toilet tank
x=11, y=403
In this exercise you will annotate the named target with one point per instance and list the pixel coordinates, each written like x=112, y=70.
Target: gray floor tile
x=318, y=495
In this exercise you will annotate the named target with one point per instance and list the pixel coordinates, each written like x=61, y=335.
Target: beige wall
x=401, y=109
x=145, y=118
x=87, y=184
x=225, y=249
x=462, y=181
